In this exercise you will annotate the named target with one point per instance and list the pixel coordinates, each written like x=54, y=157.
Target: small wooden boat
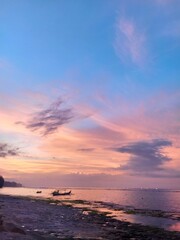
x=39, y=192
x=57, y=193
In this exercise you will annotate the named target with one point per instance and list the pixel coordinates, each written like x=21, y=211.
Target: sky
x=89, y=93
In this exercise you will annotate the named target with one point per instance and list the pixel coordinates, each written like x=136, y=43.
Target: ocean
x=152, y=199
x=155, y=199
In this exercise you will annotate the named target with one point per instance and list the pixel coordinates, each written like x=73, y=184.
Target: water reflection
x=159, y=222
x=168, y=224
x=175, y=227
x=143, y=199
x=167, y=201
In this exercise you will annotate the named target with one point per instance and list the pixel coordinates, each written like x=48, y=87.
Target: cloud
x=164, y=2
x=145, y=156
x=7, y=151
x=86, y=149
x=53, y=179
x=129, y=42
x=50, y=119
x=166, y=173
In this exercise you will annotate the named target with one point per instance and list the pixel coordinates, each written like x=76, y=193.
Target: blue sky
x=114, y=64
x=45, y=41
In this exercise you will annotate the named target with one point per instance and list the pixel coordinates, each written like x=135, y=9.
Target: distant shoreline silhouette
x=1, y=181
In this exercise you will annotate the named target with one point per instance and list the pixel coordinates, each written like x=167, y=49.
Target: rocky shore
x=24, y=218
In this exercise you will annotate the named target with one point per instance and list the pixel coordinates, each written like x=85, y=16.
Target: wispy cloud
x=145, y=156
x=164, y=2
x=6, y=150
x=129, y=41
x=50, y=119
x=86, y=149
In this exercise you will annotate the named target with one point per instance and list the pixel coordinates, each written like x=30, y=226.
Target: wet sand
x=24, y=218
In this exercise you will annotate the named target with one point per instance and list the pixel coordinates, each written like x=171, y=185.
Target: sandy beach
x=30, y=218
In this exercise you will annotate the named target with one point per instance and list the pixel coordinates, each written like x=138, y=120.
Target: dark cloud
x=50, y=119
x=165, y=173
x=6, y=150
x=86, y=149
x=145, y=156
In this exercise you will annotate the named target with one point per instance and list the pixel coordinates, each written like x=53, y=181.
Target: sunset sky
x=89, y=92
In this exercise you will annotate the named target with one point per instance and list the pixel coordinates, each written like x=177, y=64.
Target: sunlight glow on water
x=175, y=227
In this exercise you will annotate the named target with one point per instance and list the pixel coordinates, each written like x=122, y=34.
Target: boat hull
x=61, y=194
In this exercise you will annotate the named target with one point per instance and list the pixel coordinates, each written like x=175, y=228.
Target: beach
x=33, y=218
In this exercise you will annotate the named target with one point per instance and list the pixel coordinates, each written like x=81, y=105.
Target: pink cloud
x=117, y=123
x=130, y=42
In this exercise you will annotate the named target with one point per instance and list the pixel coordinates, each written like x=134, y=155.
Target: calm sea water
x=166, y=200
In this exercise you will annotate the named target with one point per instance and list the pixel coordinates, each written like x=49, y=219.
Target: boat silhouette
x=58, y=193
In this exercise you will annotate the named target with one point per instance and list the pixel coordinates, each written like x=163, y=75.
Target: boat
x=57, y=193
x=39, y=192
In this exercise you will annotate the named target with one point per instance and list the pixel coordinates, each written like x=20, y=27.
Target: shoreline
x=35, y=218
